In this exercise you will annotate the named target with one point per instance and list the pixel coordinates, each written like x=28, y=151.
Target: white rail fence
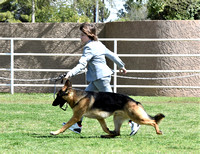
x=12, y=68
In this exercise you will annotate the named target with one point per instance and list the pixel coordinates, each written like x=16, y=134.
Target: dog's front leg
x=72, y=121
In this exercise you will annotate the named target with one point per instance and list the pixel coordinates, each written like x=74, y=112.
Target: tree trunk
x=97, y=11
x=33, y=11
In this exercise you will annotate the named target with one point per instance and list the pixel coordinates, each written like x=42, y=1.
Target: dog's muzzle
x=59, y=101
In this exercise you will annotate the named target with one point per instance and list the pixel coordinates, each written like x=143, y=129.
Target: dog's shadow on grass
x=61, y=136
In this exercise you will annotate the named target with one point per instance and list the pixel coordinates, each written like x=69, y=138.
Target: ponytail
x=89, y=30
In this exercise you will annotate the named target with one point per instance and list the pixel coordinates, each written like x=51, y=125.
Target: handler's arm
x=87, y=55
x=114, y=57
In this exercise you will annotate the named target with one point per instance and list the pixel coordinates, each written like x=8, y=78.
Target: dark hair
x=89, y=30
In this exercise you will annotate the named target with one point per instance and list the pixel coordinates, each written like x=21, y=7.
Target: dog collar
x=64, y=109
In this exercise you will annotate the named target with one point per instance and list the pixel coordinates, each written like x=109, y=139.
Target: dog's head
x=60, y=98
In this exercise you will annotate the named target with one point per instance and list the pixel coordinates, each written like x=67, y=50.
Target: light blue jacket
x=93, y=58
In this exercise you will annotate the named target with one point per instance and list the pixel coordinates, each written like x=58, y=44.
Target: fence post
x=115, y=68
x=12, y=66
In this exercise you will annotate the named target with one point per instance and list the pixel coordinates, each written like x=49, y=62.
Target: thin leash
x=54, y=93
x=60, y=77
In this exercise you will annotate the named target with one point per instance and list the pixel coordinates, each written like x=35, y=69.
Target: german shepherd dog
x=100, y=105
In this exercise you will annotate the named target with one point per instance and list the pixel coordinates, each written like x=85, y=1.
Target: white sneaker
x=75, y=128
x=134, y=127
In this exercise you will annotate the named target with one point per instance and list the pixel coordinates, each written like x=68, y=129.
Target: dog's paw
x=113, y=133
x=54, y=133
x=160, y=132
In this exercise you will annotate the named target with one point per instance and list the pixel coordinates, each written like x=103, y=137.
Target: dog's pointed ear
x=67, y=85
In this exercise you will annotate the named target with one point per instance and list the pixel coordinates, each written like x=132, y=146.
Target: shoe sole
x=78, y=130
x=135, y=132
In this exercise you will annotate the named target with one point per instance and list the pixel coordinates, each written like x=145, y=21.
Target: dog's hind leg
x=104, y=126
x=137, y=114
x=157, y=118
x=118, y=119
x=152, y=123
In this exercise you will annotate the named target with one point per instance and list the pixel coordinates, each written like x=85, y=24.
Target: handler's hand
x=122, y=70
x=67, y=77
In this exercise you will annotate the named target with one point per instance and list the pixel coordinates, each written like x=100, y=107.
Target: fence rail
x=115, y=40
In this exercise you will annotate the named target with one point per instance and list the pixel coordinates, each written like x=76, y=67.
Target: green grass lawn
x=27, y=119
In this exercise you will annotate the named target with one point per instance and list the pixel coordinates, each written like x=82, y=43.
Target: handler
x=98, y=73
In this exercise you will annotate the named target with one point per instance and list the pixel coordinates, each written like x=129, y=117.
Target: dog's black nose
x=56, y=102
x=59, y=101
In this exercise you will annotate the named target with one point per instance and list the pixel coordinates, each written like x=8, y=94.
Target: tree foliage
x=20, y=10
x=174, y=9
x=160, y=10
x=88, y=8
x=134, y=10
x=85, y=10
x=52, y=10
x=57, y=12
x=14, y=11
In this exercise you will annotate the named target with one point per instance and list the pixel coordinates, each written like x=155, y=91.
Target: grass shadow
x=61, y=136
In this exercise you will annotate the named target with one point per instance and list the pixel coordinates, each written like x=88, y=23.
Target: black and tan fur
x=100, y=105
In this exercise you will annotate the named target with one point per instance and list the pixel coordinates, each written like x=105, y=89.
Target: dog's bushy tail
x=158, y=117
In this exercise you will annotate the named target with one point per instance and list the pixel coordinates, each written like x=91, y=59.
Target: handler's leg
x=103, y=84
x=134, y=127
x=91, y=87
